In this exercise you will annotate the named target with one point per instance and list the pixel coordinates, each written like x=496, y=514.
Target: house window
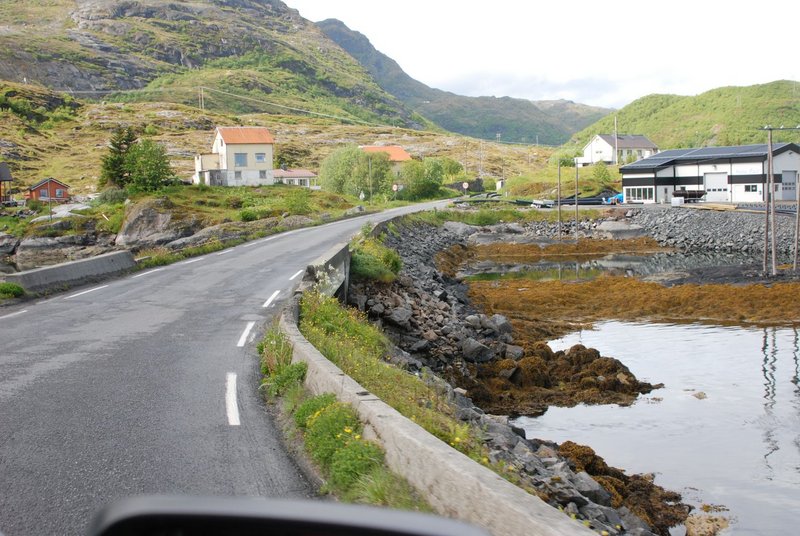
x=44, y=194
x=262, y=173
x=261, y=158
x=750, y=188
x=240, y=159
x=639, y=194
x=59, y=193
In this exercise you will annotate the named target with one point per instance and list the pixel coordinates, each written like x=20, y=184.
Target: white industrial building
x=726, y=174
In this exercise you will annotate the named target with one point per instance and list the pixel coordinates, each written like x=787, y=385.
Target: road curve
x=148, y=384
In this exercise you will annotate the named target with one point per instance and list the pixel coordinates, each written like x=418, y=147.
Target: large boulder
x=153, y=223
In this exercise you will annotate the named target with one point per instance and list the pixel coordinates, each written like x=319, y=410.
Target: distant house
x=48, y=190
x=297, y=177
x=602, y=148
x=240, y=156
x=726, y=174
x=397, y=155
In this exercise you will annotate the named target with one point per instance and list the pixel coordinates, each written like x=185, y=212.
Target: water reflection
x=739, y=446
x=769, y=351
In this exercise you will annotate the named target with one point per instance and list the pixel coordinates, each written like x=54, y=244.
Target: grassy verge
x=346, y=338
x=353, y=467
x=9, y=291
x=491, y=216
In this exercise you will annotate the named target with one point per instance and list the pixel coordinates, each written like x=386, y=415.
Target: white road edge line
x=245, y=334
x=13, y=314
x=192, y=260
x=295, y=275
x=147, y=273
x=225, y=252
x=231, y=407
x=269, y=301
x=85, y=292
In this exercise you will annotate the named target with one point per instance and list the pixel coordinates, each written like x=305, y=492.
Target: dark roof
x=43, y=181
x=707, y=154
x=629, y=141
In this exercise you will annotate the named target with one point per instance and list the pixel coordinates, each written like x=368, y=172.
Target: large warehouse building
x=727, y=174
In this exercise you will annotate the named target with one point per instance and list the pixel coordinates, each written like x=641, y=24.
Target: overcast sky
x=599, y=53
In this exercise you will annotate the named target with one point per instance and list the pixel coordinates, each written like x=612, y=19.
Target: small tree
x=114, y=170
x=148, y=165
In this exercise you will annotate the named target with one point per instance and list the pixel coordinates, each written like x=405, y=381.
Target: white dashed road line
x=245, y=334
x=13, y=314
x=147, y=273
x=271, y=298
x=296, y=274
x=231, y=406
x=85, y=292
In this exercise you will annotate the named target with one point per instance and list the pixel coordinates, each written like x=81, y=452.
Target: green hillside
x=260, y=53
x=515, y=120
x=722, y=116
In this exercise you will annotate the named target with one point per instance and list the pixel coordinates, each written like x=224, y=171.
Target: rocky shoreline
x=428, y=316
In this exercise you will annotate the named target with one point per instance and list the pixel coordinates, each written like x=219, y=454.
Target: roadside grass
x=151, y=258
x=10, y=291
x=346, y=337
x=371, y=260
x=332, y=434
x=493, y=215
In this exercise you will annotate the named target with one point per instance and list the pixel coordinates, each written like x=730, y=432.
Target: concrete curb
x=73, y=273
x=453, y=484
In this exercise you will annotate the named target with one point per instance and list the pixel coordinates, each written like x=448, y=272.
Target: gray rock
x=399, y=316
x=591, y=489
x=8, y=243
x=514, y=352
x=475, y=351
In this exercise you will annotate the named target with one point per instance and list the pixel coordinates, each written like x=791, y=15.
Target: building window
x=59, y=193
x=261, y=158
x=262, y=173
x=240, y=159
x=43, y=193
x=639, y=194
x=750, y=188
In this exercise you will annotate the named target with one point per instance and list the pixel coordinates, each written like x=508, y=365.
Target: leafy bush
x=34, y=205
x=11, y=290
x=352, y=461
x=299, y=201
x=330, y=430
x=312, y=406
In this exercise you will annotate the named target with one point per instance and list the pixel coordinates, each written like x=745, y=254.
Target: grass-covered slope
x=722, y=116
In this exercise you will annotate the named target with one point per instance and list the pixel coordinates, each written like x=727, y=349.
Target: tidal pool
x=725, y=429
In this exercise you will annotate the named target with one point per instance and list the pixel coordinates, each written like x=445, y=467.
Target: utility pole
x=369, y=171
x=558, y=201
x=616, y=143
x=770, y=230
x=576, y=202
x=202, y=100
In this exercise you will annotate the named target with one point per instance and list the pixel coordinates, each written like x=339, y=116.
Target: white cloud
x=603, y=54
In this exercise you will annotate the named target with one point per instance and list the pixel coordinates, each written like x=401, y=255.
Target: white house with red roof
x=240, y=156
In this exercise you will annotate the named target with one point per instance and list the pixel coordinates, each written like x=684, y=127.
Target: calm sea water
x=725, y=429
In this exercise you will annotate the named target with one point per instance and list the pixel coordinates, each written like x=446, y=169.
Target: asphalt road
x=148, y=384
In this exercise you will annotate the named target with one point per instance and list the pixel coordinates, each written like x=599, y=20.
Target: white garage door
x=717, y=187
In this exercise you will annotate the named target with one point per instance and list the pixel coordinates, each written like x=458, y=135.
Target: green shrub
x=235, y=201
x=34, y=205
x=248, y=214
x=312, y=406
x=330, y=430
x=354, y=460
x=285, y=378
x=11, y=290
x=372, y=260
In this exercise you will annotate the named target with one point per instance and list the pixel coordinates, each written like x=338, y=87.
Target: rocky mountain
x=253, y=55
x=517, y=120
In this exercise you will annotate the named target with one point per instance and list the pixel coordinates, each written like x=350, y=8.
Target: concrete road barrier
x=73, y=273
